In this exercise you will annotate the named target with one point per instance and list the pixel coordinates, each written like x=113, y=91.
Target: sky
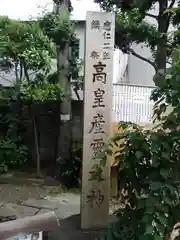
x=25, y=9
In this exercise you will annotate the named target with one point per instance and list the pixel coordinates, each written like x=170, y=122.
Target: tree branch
x=170, y=14
x=33, y=73
x=5, y=79
x=151, y=15
x=143, y=59
x=172, y=4
x=77, y=94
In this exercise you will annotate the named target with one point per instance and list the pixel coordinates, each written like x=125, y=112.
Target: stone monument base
x=70, y=229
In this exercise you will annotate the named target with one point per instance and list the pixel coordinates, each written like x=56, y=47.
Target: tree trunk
x=35, y=135
x=65, y=129
x=161, y=53
x=18, y=98
x=38, y=161
x=64, y=140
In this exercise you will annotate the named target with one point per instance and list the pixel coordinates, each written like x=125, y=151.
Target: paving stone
x=69, y=229
x=65, y=198
x=2, y=204
x=41, y=204
x=14, y=209
x=43, y=211
x=67, y=211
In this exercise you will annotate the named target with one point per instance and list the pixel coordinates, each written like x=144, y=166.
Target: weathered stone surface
x=21, y=192
x=67, y=204
x=43, y=211
x=42, y=203
x=69, y=229
x=1, y=204
x=20, y=211
x=67, y=211
x=65, y=198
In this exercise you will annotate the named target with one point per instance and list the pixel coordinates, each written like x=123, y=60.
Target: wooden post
x=97, y=116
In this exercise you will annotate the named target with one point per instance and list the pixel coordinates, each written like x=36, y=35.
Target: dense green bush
x=149, y=167
x=148, y=170
x=70, y=172
x=13, y=152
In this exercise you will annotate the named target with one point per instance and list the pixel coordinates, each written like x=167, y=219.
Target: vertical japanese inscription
x=95, y=24
x=107, y=27
x=97, y=111
x=99, y=75
x=97, y=124
x=95, y=198
x=98, y=98
x=97, y=146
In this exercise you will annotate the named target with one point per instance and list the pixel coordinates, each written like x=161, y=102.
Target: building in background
x=130, y=94
x=130, y=103
x=139, y=72
x=119, y=63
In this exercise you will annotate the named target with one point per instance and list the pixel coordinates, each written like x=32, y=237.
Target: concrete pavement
x=65, y=205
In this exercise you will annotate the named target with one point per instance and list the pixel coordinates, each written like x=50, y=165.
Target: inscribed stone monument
x=97, y=116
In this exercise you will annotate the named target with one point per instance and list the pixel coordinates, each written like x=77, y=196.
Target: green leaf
x=162, y=219
x=151, y=201
x=167, y=200
x=165, y=155
x=171, y=188
x=160, y=229
x=141, y=203
x=150, y=209
x=154, y=186
x=138, y=154
x=149, y=229
x=164, y=173
x=163, y=207
x=147, y=219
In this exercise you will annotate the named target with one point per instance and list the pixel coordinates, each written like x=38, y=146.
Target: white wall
x=80, y=35
x=118, y=64
x=140, y=72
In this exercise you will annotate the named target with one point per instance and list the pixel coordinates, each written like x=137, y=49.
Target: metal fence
x=132, y=103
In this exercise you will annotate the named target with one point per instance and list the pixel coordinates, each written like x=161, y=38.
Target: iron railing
x=132, y=103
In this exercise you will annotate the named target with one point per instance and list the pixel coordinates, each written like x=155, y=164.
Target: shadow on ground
x=69, y=229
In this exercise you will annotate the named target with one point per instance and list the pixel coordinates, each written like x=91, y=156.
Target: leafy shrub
x=148, y=169
x=41, y=91
x=71, y=171
x=11, y=154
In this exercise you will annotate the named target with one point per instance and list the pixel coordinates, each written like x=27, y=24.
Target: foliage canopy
x=150, y=23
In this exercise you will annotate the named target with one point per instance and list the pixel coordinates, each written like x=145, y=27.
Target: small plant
x=11, y=154
x=71, y=172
